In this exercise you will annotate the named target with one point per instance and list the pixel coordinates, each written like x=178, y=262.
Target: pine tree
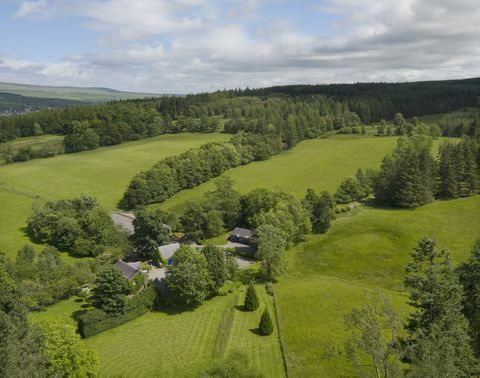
x=251, y=299
x=469, y=275
x=448, y=186
x=266, y=324
x=438, y=340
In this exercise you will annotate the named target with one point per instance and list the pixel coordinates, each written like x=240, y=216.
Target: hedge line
x=95, y=321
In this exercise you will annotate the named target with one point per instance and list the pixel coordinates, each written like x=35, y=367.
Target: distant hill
x=14, y=104
x=70, y=93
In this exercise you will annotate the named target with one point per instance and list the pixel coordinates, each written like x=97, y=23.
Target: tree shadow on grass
x=256, y=331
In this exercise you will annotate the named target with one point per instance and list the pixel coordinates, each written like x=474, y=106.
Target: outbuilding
x=241, y=235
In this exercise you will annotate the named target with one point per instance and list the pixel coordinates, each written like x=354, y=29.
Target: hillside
x=70, y=93
x=364, y=250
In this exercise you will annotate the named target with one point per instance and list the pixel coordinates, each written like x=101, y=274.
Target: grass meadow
x=366, y=249
x=103, y=173
x=320, y=164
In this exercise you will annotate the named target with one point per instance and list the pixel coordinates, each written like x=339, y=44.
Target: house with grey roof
x=241, y=235
x=124, y=221
x=129, y=270
x=167, y=252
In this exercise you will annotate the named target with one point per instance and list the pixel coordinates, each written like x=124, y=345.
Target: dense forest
x=374, y=101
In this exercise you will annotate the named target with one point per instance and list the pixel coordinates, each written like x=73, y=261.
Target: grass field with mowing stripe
x=181, y=345
x=103, y=173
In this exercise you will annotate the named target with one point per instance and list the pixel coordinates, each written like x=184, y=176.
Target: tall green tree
x=407, y=177
x=65, y=353
x=469, y=275
x=270, y=248
x=374, y=337
x=265, y=325
x=216, y=266
x=151, y=231
x=226, y=200
x=438, y=336
x=189, y=282
x=110, y=291
x=21, y=345
x=251, y=302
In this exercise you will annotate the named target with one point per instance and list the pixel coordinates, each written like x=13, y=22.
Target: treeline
x=374, y=101
x=411, y=176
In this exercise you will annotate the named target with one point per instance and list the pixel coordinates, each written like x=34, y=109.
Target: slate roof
x=128, y=270
x=167, y=251
x=125, y=221
x=241, y=233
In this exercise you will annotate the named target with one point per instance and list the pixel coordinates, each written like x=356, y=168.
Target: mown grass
x=364, y=250
x=103, y=173
x=181, y=344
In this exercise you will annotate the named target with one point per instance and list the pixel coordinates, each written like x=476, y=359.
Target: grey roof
x=167, y=251
x=128, y=270
x=241, y=233
x=125, y=221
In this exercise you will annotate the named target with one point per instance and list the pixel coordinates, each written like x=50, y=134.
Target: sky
x=188, y=46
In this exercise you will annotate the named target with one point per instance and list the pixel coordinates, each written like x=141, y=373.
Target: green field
x=365, y=249
x=103, y=173
x=320, y=164
x=70, y=93
x=181, y=345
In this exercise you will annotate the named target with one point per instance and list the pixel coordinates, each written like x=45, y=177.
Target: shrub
x=251, y=299
x=95, y=321
x=266, y=324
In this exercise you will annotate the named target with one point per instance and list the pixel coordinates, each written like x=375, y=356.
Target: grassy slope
x=70, y=93
x=180, y=345
x=320, y=164
x=367, y=249
x=103, y=173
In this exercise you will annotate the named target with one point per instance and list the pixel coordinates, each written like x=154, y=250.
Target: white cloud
x=194, y=45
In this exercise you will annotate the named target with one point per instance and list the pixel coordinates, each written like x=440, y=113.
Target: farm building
x=129, y=270
x=241, y=235
x=167, y=251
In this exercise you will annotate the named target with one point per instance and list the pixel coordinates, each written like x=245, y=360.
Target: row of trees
x=411, y=176
x=442, y=334
x=79, y=226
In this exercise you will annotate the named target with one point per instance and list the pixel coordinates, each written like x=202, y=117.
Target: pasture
x=103, y=173
x=320, y=164
x=363, y=250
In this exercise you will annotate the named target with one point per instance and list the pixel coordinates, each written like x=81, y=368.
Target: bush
x=95, y=321
x=251, y=299
x=266, y=324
